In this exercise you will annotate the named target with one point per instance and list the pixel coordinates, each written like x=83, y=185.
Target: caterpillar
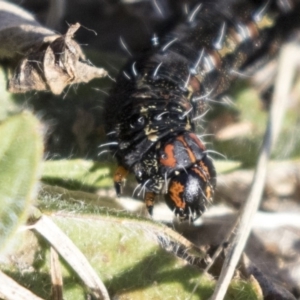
x=152, y=111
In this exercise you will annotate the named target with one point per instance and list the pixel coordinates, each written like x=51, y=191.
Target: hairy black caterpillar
x=151, y=113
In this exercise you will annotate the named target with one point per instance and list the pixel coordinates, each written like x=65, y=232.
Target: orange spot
x=204, y=168
x=203, y=176
x=120, y=174
x=175, y=189
x=149, y=199
x=197, y=141
x=170, y=161
x=208, y=193
x=187, y=148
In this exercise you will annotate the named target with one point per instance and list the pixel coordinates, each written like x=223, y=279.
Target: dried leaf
x=41, y=59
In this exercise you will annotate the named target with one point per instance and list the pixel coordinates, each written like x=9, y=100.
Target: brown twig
x=56, y=276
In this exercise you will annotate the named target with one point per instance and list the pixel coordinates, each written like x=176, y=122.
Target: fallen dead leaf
x=39, y=58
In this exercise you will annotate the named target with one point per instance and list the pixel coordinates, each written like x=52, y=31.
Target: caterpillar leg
x=119, y=179
x=149, y=199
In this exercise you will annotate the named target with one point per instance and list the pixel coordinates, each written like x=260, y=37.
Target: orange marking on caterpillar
x=197, y=141
x=203, y=176
x=170, y=160
x=187, y=148
x=120, y=174
x=174, y=190
x=205, y=169
x=208, y=192
x=149, y=199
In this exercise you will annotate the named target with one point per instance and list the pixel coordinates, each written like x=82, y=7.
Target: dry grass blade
x=10, y=290
x=286, y=71
x=56, y=276
x=72, y=255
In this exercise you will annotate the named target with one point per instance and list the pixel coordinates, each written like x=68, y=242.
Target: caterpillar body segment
x=159, y=96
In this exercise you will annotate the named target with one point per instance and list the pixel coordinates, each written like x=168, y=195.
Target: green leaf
x=77, y=173
x=21, y=150
x=125, y=252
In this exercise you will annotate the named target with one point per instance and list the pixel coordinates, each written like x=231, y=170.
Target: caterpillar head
x=191, y=190
x=191, y=173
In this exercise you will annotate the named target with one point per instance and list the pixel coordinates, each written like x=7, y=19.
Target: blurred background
x=74, y=128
